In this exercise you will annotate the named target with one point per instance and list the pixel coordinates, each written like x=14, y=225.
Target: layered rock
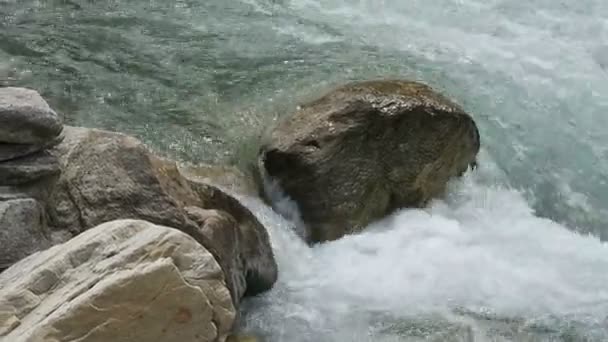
x=25, y=118
x=109, y=176
x=124, y=280
x=28, y=126
x=366, y=149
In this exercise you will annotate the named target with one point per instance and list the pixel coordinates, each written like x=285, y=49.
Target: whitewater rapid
x=478, y=265
x=514, y=251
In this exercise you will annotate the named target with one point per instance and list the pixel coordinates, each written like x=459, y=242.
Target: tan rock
x=121, y=281
x=108, y=176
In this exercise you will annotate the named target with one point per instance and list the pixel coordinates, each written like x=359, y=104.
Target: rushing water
x=514, y=253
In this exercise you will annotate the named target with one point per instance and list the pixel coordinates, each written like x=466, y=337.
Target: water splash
x=475, y=266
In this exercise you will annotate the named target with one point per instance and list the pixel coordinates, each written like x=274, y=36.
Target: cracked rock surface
x=125, y=280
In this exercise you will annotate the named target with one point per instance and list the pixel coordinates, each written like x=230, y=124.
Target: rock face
x=108, y=176
x=121, y=281
x=22, y=230
x=366, y=149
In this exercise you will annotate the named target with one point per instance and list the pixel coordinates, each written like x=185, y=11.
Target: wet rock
x=365, y=150
x=41, y=165
x=25, y=118
x=241, y=248
x=23, y=230
x=121, y=281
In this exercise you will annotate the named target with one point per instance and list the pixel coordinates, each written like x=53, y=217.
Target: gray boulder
x=23, y=230
x=366, y=149
x=25, y=118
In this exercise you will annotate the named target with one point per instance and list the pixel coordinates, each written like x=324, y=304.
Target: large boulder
x=366, y=149
x=108, y=176
x=22, y=230
x=25, y=118
x=121, y=281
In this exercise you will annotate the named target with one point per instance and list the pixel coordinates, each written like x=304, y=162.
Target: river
x=515, y=252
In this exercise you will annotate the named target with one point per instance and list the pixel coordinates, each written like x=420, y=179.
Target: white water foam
x=479, y=252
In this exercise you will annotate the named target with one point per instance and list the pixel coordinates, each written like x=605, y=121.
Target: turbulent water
x=514, y=253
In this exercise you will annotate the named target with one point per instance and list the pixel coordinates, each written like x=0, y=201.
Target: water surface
x=513, y=254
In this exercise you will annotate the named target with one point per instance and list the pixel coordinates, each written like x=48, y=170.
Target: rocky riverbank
x=100, y=239
x=141, y=249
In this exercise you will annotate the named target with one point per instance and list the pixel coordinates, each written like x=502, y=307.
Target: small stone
x=25, y=118
x=29, y=169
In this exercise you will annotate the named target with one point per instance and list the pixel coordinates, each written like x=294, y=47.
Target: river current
x=515, y=251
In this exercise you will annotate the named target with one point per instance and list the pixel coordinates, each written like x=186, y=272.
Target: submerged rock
x=121, y=281
x=366, y=149
x=25, y=118
x=23, y=230
x=108, y=176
